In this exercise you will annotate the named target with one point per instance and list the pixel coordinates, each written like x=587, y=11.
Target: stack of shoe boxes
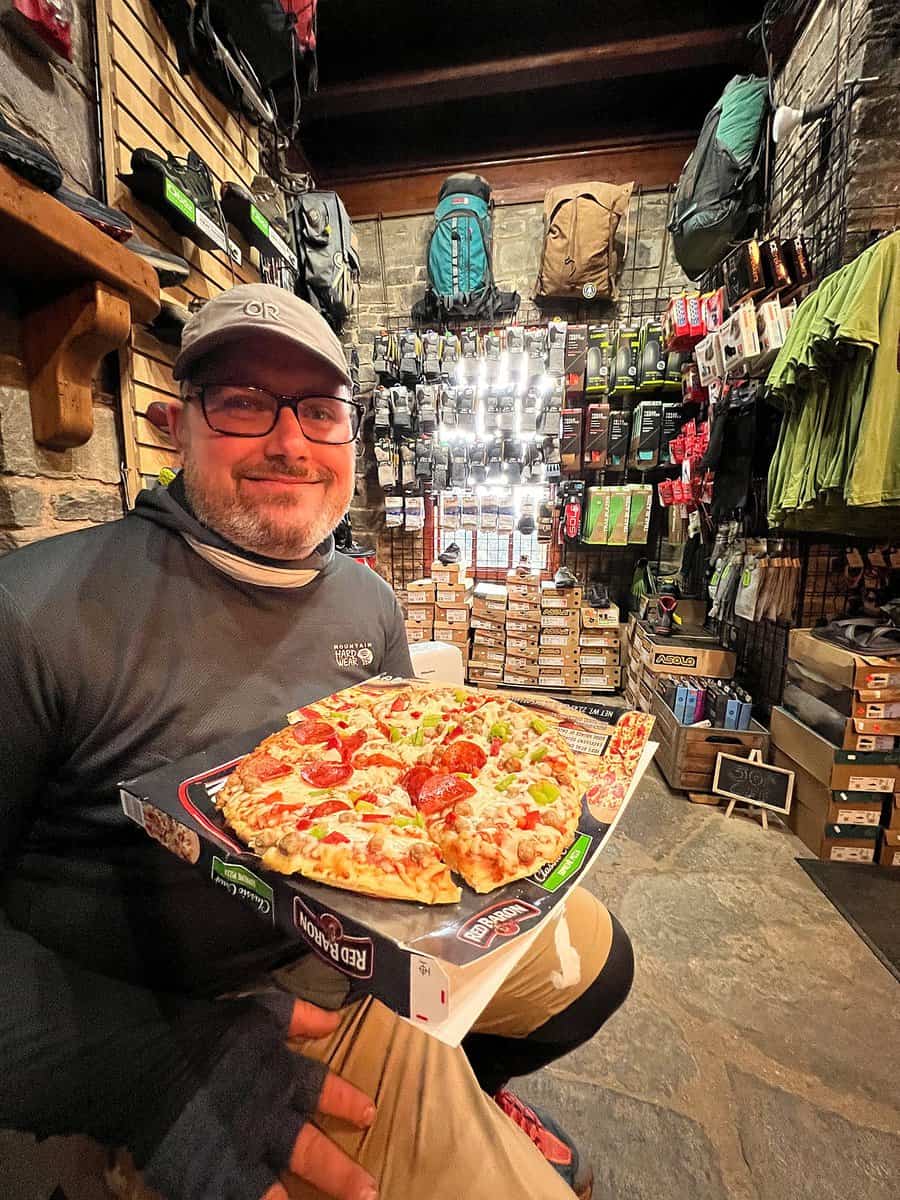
x=420, y=610
x=453, y=605
x=600, y=643
x=652, y=656
x=838, y=732
x=489, y=633
x=559, y=654
x=523, y=628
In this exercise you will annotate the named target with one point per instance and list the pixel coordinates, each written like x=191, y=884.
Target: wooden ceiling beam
x=611, y=60
x=653, y=164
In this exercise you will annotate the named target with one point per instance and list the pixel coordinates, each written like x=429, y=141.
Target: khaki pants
x=436, y=1133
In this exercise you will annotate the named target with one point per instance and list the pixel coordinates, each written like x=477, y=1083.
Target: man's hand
x=315, y=1157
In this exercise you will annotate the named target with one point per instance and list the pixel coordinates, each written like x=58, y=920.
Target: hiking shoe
x=28, y=158
x=168, y=323
x=236, y=202
x=523, y=567
x=450, y=555
x=598, y=596
x=564, y=579
x=171, y=269
x=108, y=220
x=149, y=173
x=557, y=1148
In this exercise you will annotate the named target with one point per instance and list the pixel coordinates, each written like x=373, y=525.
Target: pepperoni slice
x=440, y=791
x=376, y=760
x=265, y=767
x=309, y=733
x=334, y=839
x=414, y=780
x=327, y=807
x=463, y=756
x=326, y=774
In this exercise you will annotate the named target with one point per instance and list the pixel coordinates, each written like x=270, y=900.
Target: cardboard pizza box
x=436, y=966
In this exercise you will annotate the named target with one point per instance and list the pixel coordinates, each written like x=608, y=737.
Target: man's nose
x=287, y=439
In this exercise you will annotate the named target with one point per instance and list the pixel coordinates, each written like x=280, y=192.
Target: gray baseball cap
x=258, y=308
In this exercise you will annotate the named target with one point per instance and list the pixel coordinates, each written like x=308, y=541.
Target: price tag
x=854, y=558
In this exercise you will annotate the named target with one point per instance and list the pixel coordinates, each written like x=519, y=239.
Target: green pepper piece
x=402, y=822
x=431, y=720
x=420, y=820
x=500, y=730
x=396, y=733
x=539, y=725
x=460, y=695
x=364, y=806
x=544, y=792
x=318, y=832
x=504, y=783
x=538, y=755
x=418, y=738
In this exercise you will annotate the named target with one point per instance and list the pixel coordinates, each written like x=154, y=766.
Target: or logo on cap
x=262, y=308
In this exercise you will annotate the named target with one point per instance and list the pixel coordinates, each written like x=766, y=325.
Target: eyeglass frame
x=281, y=402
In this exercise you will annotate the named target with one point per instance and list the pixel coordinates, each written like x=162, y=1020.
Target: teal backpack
x=459, y=251
x=720, y=195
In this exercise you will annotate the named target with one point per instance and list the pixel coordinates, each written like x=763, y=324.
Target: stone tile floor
x=758, y=1055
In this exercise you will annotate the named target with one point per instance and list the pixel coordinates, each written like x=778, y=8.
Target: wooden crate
x=687, y=754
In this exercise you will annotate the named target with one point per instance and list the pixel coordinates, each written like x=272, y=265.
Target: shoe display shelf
x=255, y=226
x=80, y=293
x=166, y=197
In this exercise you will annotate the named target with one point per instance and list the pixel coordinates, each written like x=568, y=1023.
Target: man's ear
x=175, y=416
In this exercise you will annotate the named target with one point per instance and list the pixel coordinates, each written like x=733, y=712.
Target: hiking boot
x=450, y=555
x=663, y=624
x=597, y=596
x=564, y=579
x=557, y=1148
x=171, y=269
x=28, y=158
x=168, y=323
x=108, y=220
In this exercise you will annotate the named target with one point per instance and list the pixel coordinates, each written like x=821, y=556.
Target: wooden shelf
x=81, y=291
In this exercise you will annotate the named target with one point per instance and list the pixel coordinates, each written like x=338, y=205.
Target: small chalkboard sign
x=754, y=782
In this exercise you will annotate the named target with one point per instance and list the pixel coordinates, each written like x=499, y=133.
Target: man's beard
x=266, y=529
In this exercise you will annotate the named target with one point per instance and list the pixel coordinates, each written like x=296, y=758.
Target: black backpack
x=327, y=254
x=721, y=194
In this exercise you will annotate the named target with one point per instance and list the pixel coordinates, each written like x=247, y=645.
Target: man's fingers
x=318, y=1160
x=341, y=1099
x=308, y=1020
x=275, y=1192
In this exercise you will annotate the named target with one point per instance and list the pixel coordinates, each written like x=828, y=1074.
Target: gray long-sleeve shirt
x=122, y=648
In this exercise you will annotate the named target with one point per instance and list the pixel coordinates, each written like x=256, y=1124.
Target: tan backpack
x=579, y=257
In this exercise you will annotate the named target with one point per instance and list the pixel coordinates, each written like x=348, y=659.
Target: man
x=139, y=1003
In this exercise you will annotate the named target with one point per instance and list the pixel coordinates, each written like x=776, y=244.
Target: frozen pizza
x=388, y=790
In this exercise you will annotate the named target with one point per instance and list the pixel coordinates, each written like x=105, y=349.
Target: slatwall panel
x=146, y=102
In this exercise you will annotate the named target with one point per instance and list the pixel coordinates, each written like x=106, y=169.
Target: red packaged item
x=665, y=490
x=714, y=309
x=676, y=449
x=692, y=390
x=683, y=324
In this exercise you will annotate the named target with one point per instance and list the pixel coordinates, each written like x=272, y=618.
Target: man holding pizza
x=141, y=1006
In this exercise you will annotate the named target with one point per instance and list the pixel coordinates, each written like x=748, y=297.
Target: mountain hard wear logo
x=354, y=654
x=500, y=920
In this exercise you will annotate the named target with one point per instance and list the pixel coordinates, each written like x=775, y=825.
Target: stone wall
x=844, y=40
x=43, y=492
x=393, y=253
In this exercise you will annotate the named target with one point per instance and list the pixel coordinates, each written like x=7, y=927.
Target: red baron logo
x=500, y=920
x=325, y=934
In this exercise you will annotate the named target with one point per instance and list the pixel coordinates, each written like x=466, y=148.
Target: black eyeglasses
x=239, y=410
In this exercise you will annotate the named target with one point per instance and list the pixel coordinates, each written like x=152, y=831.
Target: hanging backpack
x=580, y=256
x=459, y=250
x=328, y=256
x=721, y=193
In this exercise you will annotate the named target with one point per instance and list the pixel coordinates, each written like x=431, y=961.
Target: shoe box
x=607, y=637
x=838, y=769
x=517, y=643
x=454, y=593
x=697, y=653
x=838, y=825
x=525, y=610
x=419, y=614
x=488, y=655
x=490, y=600
x=522, y=667
x=452, y=573
x=523, y=587
x=482, y=673
x=421, y=591
x=446, y=632
x=599, y=618
x=844, y=669
x=490, y=635
x=525, y=629
x=418, y=633
x=602, y=679
x=557, y=599
x=889, y=850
